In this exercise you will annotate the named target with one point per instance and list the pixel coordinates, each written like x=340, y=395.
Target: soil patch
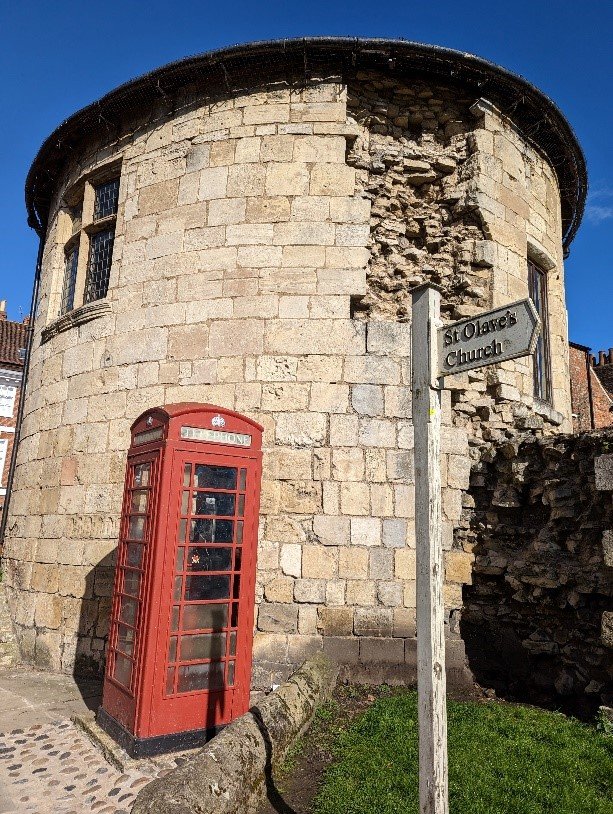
x=298, y=779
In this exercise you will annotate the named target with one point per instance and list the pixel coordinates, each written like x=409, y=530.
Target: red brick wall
x=599, y=415
x=6, y=421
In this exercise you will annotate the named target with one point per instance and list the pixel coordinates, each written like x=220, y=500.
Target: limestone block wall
x=265, y=247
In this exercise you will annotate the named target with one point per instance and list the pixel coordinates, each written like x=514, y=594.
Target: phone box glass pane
x=134, y=555
x=136, y=530
x=215, y=477
x=211, y=531
x=139, y=501
x=197, y=587
x=201, y=677
x=203, y=646
x=217, y=503
x=209, y=559
x=205, y=617
x=122, y=671
x=142, y=473
x=125, y=639
x=128, y=608
x=131, y=582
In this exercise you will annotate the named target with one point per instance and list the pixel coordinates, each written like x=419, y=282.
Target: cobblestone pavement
x=54, y=767
x=47, y=764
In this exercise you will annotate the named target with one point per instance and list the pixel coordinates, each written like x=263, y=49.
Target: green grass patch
x=503, y=759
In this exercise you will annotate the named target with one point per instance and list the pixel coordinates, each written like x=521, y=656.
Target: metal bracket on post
x=431, y=680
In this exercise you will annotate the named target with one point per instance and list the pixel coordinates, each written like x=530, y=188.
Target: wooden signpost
x=438, y=351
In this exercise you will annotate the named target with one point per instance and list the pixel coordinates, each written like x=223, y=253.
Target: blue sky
x=57, y=57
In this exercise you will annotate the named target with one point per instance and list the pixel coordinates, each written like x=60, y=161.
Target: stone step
x=9, y=650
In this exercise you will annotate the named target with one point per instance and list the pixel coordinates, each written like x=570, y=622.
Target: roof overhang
x=240, y=67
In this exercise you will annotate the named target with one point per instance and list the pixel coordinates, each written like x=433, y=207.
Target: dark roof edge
x=517, y=98
x=585, y=348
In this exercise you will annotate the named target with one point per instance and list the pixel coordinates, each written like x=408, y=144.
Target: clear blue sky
x=57, y=57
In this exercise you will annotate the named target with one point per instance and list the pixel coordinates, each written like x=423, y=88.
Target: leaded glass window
x=537, y=280
x=70, y=279
x=106, y=198
x=99, y=265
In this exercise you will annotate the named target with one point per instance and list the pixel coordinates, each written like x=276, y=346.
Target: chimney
x=2, y=310
x=26, y=320
x=602, y=359
x=611, y=356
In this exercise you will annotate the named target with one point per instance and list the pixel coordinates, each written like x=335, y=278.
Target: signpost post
x=438, y=351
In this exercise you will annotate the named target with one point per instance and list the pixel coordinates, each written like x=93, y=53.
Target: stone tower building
x=243, y=228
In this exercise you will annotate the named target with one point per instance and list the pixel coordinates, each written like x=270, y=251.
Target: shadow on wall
x=533, y=616
x=93, y=627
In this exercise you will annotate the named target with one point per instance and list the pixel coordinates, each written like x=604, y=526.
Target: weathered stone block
x=458, y=567
x=390, y=594
x=381, y=564
x=353, y=563
x=381, y=651
x=343, y=430
x=348, y=464
x=280, y=589
x=343, y=650
x=365, y=531
x=291, y=559
x=331, y=530
x=300, y=429
x=225, y=340
x=278, y=618
x=367, y=399
x=310, y=590
x=301, y=497
x=399, y=465
x=329, y=398
x=405, y=563
x=389, y=338
x=377, y=432
x=404, y=623
x=332, y=179
x=394, y=533
x=373, y=622
x=335, y=621
x=360, y=592
x=355, y=498
x=287, y=179
x=319, y=563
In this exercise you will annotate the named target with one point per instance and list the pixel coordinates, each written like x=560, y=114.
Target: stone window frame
x=538, y=278
x=77, y=225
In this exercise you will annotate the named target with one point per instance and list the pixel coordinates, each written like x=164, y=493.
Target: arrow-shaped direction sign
x=494, y=336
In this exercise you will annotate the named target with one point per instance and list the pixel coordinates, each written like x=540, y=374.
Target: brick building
x=592, y=403
x=13, y=341
x=603, y=368
x=245, y=230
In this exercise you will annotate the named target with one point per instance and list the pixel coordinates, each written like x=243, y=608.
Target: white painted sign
x=494, y=336
x=7, y=400
x=237, y=439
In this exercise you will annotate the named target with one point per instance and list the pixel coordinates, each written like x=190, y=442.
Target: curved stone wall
x=265, y=246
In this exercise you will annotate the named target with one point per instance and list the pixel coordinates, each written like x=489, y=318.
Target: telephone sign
x=179, y=650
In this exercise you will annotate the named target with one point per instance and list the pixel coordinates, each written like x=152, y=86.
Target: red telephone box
x=181, y=635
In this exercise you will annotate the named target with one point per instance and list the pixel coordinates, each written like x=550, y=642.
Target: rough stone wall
x=590, y=401
x=254, y=268
x=538, y=617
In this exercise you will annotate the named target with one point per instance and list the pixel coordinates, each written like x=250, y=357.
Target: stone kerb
x=233, y=772
x=603, y=467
